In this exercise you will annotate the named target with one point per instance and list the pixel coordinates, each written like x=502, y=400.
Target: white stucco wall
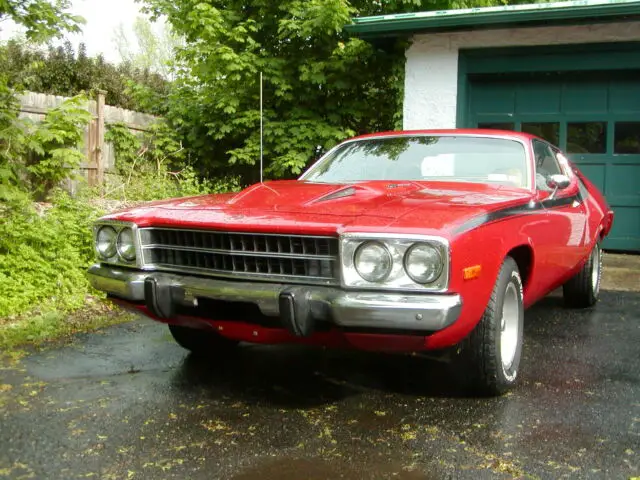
x=431, y=72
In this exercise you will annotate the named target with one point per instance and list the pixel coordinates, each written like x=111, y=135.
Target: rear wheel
x=491, y=355
x=201, y=342
x=582, y=291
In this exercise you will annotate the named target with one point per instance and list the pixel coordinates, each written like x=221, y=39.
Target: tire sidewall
x=509, y=275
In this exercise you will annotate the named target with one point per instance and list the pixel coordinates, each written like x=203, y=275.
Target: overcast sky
x=102, y=18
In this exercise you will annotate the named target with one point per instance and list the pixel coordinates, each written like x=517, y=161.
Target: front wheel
x=583, y=289
x=203, y=343
x=491, y=354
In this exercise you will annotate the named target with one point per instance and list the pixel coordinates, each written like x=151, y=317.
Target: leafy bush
x=153, y=166
x=43, y=257
x=55, y=142
x=14, y=145
x=63, y=71
x=35, y=157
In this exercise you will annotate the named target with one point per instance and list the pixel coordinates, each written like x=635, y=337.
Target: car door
x=565, y=237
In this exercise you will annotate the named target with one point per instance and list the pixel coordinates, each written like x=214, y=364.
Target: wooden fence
x=100, y=155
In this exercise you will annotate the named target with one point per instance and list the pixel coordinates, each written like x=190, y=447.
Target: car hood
x=322, y=208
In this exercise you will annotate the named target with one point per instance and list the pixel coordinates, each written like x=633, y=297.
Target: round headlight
x=373, y=261
x=106, y=242
x=423, y=263
x=126, y=244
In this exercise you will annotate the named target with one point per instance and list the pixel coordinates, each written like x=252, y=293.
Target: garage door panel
x=595, y=173
x=575, y=95
x=533, y=98
x=624, y=97
x=631, y=244
x=495, y=125
x=494, y=99
x=623, y=185
x=624, y=233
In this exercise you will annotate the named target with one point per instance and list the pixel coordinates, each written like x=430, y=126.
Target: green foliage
x=320, y=86
x=62, y=71
x=127, y=146
x=152, y=166
x=43, y=257
x=163, y=146
x=157, y=185
x=55, y=142
x=14, y=145
x=42, y=19
x=315, y=91
x=37, y=156
x=53, y=324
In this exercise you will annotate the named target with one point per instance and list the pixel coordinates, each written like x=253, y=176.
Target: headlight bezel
x=397, y=245
x=118, y=258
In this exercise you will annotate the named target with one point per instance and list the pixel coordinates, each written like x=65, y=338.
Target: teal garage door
x=593, y=116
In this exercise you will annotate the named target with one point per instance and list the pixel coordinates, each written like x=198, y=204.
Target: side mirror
x=558, y=182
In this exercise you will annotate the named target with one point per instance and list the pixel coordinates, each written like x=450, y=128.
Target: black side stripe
x=528, y=208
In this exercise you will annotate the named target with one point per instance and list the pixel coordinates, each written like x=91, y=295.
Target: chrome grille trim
x=293, y=258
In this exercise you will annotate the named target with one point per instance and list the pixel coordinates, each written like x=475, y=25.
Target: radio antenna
x=261, y=121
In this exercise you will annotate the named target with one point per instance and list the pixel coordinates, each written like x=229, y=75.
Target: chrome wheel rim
x=596, y=263
x=510, y=325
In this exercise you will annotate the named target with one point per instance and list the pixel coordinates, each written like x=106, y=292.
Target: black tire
x=583, y=289
x=482, y=352
x=202, y=343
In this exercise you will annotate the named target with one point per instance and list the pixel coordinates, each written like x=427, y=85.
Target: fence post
x=100, y=137
x=92, y=169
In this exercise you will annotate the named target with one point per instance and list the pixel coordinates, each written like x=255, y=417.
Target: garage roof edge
x=595, y=11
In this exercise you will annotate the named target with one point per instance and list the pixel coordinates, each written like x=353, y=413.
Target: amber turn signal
x=470, y=273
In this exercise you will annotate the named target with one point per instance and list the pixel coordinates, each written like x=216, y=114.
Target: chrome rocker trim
x=398, y=311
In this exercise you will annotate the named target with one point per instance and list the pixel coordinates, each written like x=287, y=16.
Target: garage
x=594, y=116
x=566, y=71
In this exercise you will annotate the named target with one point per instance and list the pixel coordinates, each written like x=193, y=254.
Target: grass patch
x=39, y=328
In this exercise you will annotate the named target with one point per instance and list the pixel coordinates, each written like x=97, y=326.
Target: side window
x=546, y=164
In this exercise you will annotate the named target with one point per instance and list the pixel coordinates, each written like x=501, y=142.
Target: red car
x=402, y=241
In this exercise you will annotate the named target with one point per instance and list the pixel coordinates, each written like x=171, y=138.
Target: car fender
x=486, y=247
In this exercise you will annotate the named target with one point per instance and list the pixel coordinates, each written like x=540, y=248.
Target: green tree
x=41, y=19
x=52, y=144
x=320, y=86
x=63, y=71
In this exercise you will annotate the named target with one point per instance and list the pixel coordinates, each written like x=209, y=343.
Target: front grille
x=285, y=257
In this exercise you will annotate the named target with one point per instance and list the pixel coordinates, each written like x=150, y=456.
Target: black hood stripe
x=528, y=208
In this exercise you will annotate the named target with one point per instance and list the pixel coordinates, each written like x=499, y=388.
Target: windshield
x=439, y=158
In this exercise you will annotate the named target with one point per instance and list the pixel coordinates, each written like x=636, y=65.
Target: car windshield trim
x=312, y=175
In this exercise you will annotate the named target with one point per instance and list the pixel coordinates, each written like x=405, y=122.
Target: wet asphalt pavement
x=128, y=403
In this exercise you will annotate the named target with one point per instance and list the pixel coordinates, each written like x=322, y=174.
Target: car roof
x=452, y=131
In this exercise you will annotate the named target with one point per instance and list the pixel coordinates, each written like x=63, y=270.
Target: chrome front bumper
x=399, y=311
